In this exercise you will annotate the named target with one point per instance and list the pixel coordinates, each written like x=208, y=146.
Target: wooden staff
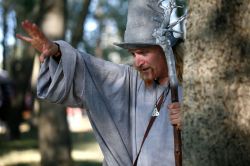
x=164, y=37
x=174, y=97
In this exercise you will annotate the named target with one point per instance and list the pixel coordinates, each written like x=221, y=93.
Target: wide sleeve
x=104, y=87
x=66, y=82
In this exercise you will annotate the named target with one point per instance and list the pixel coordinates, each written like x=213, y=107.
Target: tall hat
x=144, y=16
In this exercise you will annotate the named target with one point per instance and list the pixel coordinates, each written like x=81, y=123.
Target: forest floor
x=24, y=152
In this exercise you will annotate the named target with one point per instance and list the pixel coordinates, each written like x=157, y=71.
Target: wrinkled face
x=150, y=62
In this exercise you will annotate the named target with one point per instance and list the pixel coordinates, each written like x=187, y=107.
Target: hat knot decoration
x=164, y=33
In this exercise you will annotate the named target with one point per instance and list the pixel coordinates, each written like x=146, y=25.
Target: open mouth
x=145, y=69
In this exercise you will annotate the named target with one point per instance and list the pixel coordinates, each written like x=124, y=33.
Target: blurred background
x=34, y=132
x=38, y=133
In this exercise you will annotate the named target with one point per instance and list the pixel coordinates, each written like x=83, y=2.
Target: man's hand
x=175, y=114
x=38, y=40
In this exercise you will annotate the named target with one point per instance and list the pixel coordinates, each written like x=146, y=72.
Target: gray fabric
x=141, y=23
x=119, y=106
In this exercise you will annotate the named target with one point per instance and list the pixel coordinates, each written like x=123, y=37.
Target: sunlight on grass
x=20, y=157
x=86, y=155
x=25, y=152
x=33, y=156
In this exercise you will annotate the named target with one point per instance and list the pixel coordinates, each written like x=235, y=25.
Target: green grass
x=87, y=163
x=83, y=141
x=28, y=141
x=28, y=164
x=81, y=163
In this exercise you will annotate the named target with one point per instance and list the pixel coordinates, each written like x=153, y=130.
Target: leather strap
x=151, y=121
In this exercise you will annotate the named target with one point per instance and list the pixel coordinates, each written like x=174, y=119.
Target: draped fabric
x=119, y=106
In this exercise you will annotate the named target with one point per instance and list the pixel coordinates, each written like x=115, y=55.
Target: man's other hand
x=175, y=114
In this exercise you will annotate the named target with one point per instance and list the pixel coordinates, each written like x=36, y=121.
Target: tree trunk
x=54, y=136
x=217, y=84
x=4, y=41
x=80, y=21
x=54, y=140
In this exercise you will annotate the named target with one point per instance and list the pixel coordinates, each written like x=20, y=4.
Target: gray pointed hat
x=141, y=22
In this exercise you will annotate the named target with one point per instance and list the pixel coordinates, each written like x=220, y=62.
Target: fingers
x=175, y=118
x=175, y=114
x=38, y=40
x=32, y=29
x=174, y=105
x=35, y=36
x=24, y=38
x=29, y=27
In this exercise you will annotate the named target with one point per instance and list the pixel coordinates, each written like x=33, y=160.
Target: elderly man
x=120, y=99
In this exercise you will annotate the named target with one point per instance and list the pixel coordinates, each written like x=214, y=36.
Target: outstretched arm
x=39, y=41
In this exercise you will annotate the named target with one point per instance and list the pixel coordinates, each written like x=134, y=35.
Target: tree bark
x=216, y=119
x=54, y=135
x=5, y=27
x=80, y=21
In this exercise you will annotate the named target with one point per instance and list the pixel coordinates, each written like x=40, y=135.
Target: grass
x=87, y=163
x=28, y=141
x=81, y=141
x=76, y=163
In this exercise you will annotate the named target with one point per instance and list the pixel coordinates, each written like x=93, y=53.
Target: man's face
x=150, y=62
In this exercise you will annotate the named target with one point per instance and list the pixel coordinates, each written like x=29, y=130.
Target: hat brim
x=134, y=45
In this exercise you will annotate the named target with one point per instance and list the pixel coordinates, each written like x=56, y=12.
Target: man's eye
x=132, y=53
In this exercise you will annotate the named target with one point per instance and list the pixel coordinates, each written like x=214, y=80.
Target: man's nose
x=138, y=59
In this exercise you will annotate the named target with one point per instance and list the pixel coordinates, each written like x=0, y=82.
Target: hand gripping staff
x=163, y=36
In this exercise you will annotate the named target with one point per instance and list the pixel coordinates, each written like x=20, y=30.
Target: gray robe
x=119, y=106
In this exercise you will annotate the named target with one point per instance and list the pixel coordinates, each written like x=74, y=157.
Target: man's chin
x=148, y=81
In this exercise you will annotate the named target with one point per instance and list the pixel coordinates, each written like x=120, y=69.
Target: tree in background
x=54, y=137
x=5, y=6
x=17, y=61
x=216, y=127
x=79, y=22
x=53, y=130
x=109, y=19
x=112, y=16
